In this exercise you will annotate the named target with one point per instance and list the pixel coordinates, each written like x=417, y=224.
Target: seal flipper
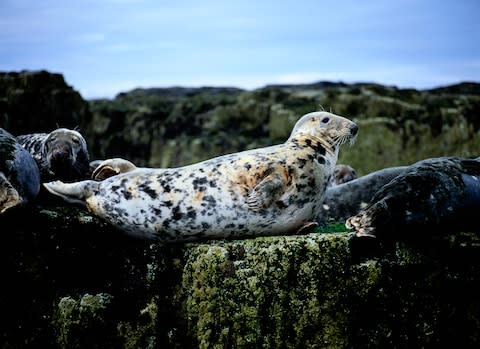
x=76, y=193
x=112, y=167
x=267, y=191
x=9, y=196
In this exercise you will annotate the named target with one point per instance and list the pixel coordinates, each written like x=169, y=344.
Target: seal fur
x=271, y=190
x=345, y=200
x=61, y=154
x=432, y=195
x=19, y=173
x=342, y=174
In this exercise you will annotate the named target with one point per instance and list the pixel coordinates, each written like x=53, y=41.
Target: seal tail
x=76, y=193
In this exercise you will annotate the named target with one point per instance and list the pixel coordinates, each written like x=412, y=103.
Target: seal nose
x=60, y=156
x=353, y=129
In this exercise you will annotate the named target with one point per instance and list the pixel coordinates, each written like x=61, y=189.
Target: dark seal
x=432, y=196
x=345, y=200
x=61, y=154
x=19, y=173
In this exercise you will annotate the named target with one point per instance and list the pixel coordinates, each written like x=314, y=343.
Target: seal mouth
x=344, y=138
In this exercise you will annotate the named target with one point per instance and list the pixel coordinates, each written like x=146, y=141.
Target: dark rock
x=39, y=101
x=71, y=281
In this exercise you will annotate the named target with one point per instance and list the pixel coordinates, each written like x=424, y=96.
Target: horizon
x=103, y=48
x=247, y=89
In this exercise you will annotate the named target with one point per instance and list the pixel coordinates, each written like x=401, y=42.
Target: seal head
x=342, y=174
x=61, y=154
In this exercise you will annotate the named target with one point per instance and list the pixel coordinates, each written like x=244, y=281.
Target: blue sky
x=103, y=47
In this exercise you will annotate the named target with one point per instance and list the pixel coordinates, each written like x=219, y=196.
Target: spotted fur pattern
x=270, y=190
x=61, y=154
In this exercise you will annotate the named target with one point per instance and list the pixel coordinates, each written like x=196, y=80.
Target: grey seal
x=61, y=154
x=265, y=191
x=345, y=200
x=19, y=173
x=434, y=195
x=342, y=174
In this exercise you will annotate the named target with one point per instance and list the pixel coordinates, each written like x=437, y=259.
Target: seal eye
x=325, y=120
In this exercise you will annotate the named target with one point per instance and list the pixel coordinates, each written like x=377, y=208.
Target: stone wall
x=72, y=281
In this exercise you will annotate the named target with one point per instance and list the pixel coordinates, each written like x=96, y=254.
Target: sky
x=104, y=47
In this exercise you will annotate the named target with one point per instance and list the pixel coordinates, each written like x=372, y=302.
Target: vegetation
x=174, y=127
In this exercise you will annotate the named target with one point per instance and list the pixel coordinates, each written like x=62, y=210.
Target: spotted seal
x=19, y=173
x=431, y=196
x=268, y=191
x=61, y=154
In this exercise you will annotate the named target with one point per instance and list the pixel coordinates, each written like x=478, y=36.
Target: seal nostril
x=60, y=156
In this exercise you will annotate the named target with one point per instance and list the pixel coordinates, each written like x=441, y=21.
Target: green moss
x=78, y=320
x=142, y=333
x=331, y=228
x=266, y=292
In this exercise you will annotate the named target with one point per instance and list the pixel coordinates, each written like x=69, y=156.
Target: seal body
x=19, y=173
x=431, y=196
x=345, y=200
x=271, y=190
x=61, y=154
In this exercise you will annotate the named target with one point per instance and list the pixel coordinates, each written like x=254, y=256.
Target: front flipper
x=306, y=228
x=75, y=193
x=362, y=224
x=266, y=192
x=9, y=196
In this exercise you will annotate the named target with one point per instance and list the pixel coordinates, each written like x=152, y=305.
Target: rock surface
x=71, y=281
x=39, y=101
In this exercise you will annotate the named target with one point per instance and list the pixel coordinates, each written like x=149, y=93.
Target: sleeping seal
x=433, y=195
x=19, y=173
x=61, y=154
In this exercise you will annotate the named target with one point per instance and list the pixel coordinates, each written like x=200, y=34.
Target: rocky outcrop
x=397, y=126
x=39, y=101
x=71, y=281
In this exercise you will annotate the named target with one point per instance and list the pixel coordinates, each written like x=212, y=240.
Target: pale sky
x=103, y=47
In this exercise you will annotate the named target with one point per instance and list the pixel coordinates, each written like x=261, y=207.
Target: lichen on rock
x=267, y=292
